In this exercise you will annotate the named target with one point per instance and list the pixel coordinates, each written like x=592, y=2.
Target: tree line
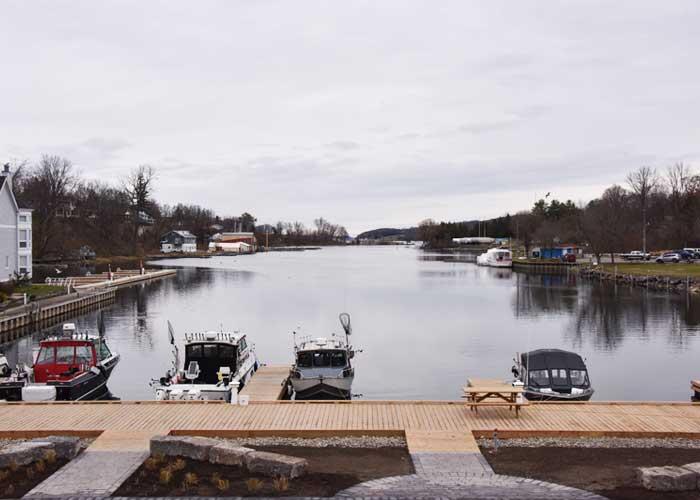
x=653, y=210
x=71, y=213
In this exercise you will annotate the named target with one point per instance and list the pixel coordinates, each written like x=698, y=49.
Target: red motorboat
x=71, y=367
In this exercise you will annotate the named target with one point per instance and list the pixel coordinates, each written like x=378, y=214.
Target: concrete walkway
x=101, y=468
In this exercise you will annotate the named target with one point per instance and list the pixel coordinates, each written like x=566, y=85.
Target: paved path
x=100, y=469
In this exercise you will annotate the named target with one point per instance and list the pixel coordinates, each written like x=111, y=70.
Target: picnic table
x=491, y=392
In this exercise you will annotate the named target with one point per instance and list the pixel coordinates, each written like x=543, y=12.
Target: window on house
x=23, y=218
x=23, y=261
x=7, y=261
x=23, y=238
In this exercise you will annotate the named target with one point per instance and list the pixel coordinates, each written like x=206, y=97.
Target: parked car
x=568, y=257
x=685, y=255
x=636, y=255
x=669, y=257
x=694, y=251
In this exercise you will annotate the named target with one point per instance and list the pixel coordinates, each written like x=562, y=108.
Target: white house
x=15, y=232
x=178, y=241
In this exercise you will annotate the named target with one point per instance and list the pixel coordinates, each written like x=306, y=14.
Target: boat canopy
x=545, y=359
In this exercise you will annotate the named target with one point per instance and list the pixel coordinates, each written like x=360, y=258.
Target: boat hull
x=322, y=389
x=557, y=396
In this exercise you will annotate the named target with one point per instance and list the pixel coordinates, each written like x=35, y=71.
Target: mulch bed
x=330, y=471
x=606, y=471
x=17, y=483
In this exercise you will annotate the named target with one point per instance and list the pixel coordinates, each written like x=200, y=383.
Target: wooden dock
x=44, y=313
x=110, y=280
x=427, y=423
x=268, y=384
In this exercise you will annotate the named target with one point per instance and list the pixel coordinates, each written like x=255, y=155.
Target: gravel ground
x=603, y=442
x=328, y=442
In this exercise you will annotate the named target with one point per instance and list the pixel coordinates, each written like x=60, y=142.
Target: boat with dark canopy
x=553, y=375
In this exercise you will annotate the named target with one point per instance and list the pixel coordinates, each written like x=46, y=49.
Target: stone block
x=228, y=454
x=695, y=468
x=274, y=464
x=666, y=478
x=66, y=447
x=193, y=447
x=24, y=453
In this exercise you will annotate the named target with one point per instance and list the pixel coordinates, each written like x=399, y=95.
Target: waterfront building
x=15, y=232
x=242, y=242
x=178, y=241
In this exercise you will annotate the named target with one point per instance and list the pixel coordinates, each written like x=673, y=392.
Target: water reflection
x=425, y=321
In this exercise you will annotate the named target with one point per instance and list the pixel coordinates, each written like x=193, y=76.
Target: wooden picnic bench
x=490, y=392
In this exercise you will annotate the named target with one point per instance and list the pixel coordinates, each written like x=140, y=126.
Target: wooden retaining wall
x=36, y=315
x=546, y=267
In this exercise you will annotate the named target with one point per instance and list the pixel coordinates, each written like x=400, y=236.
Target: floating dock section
x=107, y=280
x=268, y=384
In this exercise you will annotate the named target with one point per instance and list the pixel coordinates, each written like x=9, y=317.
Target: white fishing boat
x=495, y=257
x=217, y=366
x=322, y=368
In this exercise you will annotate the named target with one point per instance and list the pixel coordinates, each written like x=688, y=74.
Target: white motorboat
x=322, y=368
x=217, y=366
x=495, y=257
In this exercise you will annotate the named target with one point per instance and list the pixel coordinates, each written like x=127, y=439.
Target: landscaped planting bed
x=325, y=469
x=26, y=463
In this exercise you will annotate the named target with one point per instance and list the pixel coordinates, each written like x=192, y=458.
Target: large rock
x=193, y=447
x=23, y=453
x=695, y=468
x=667, y=478
x=66, y=447
x=228, y=454
x=274, y=464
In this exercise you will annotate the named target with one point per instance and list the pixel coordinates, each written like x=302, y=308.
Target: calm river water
x=424, y=324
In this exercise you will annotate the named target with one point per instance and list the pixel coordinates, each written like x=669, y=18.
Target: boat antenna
x=101, y=323
x=345, y=322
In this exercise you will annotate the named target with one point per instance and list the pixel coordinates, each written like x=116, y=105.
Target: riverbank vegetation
x=77, y=218
x=656, y=210
x=681, y=270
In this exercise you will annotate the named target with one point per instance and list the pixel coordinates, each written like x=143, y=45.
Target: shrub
x=253, y=485
x=10, y=491
x=280, y=484
x=223, y=484
x=50, y=456
x=215, y=477
x=158, y=457
x=191, y=480
x=151, y=464
x=13, y=466
x=165, y=476
x=178, y=465
x=29, y=471
x=40, y=466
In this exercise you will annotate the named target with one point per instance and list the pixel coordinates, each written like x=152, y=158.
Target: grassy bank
x=653, y=269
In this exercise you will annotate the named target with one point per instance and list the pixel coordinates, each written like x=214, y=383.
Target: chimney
x=6, y=174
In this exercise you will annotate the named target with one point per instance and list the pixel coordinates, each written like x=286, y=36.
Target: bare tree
x=139, y=188
x=48, y=186
x=684, y=187
x=643, y=182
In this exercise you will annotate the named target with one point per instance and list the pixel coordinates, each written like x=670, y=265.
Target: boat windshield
x=579, y=378
x=539, y=378
x=559, y=376
x=104, y=351
x=322, y=359
x=211, y=357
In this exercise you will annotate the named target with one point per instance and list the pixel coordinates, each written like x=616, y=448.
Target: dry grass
x=40, y=466
x=681, y=270
x=280, y=484
x=165, y=476
x=190, y=481
x=223, y=485
x=4, y=474
x=254, y=485
x=151, y=464
x=178, y=465
x=13, y=466
x=50, y=456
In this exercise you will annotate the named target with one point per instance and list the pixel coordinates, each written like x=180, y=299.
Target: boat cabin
x=555, y=369
x=211, y=356
x=63, y=359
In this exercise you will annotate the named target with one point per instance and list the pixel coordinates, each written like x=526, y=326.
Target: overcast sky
x=370, y=114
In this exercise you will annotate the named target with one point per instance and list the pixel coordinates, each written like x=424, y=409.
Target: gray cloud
x=370, y=115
